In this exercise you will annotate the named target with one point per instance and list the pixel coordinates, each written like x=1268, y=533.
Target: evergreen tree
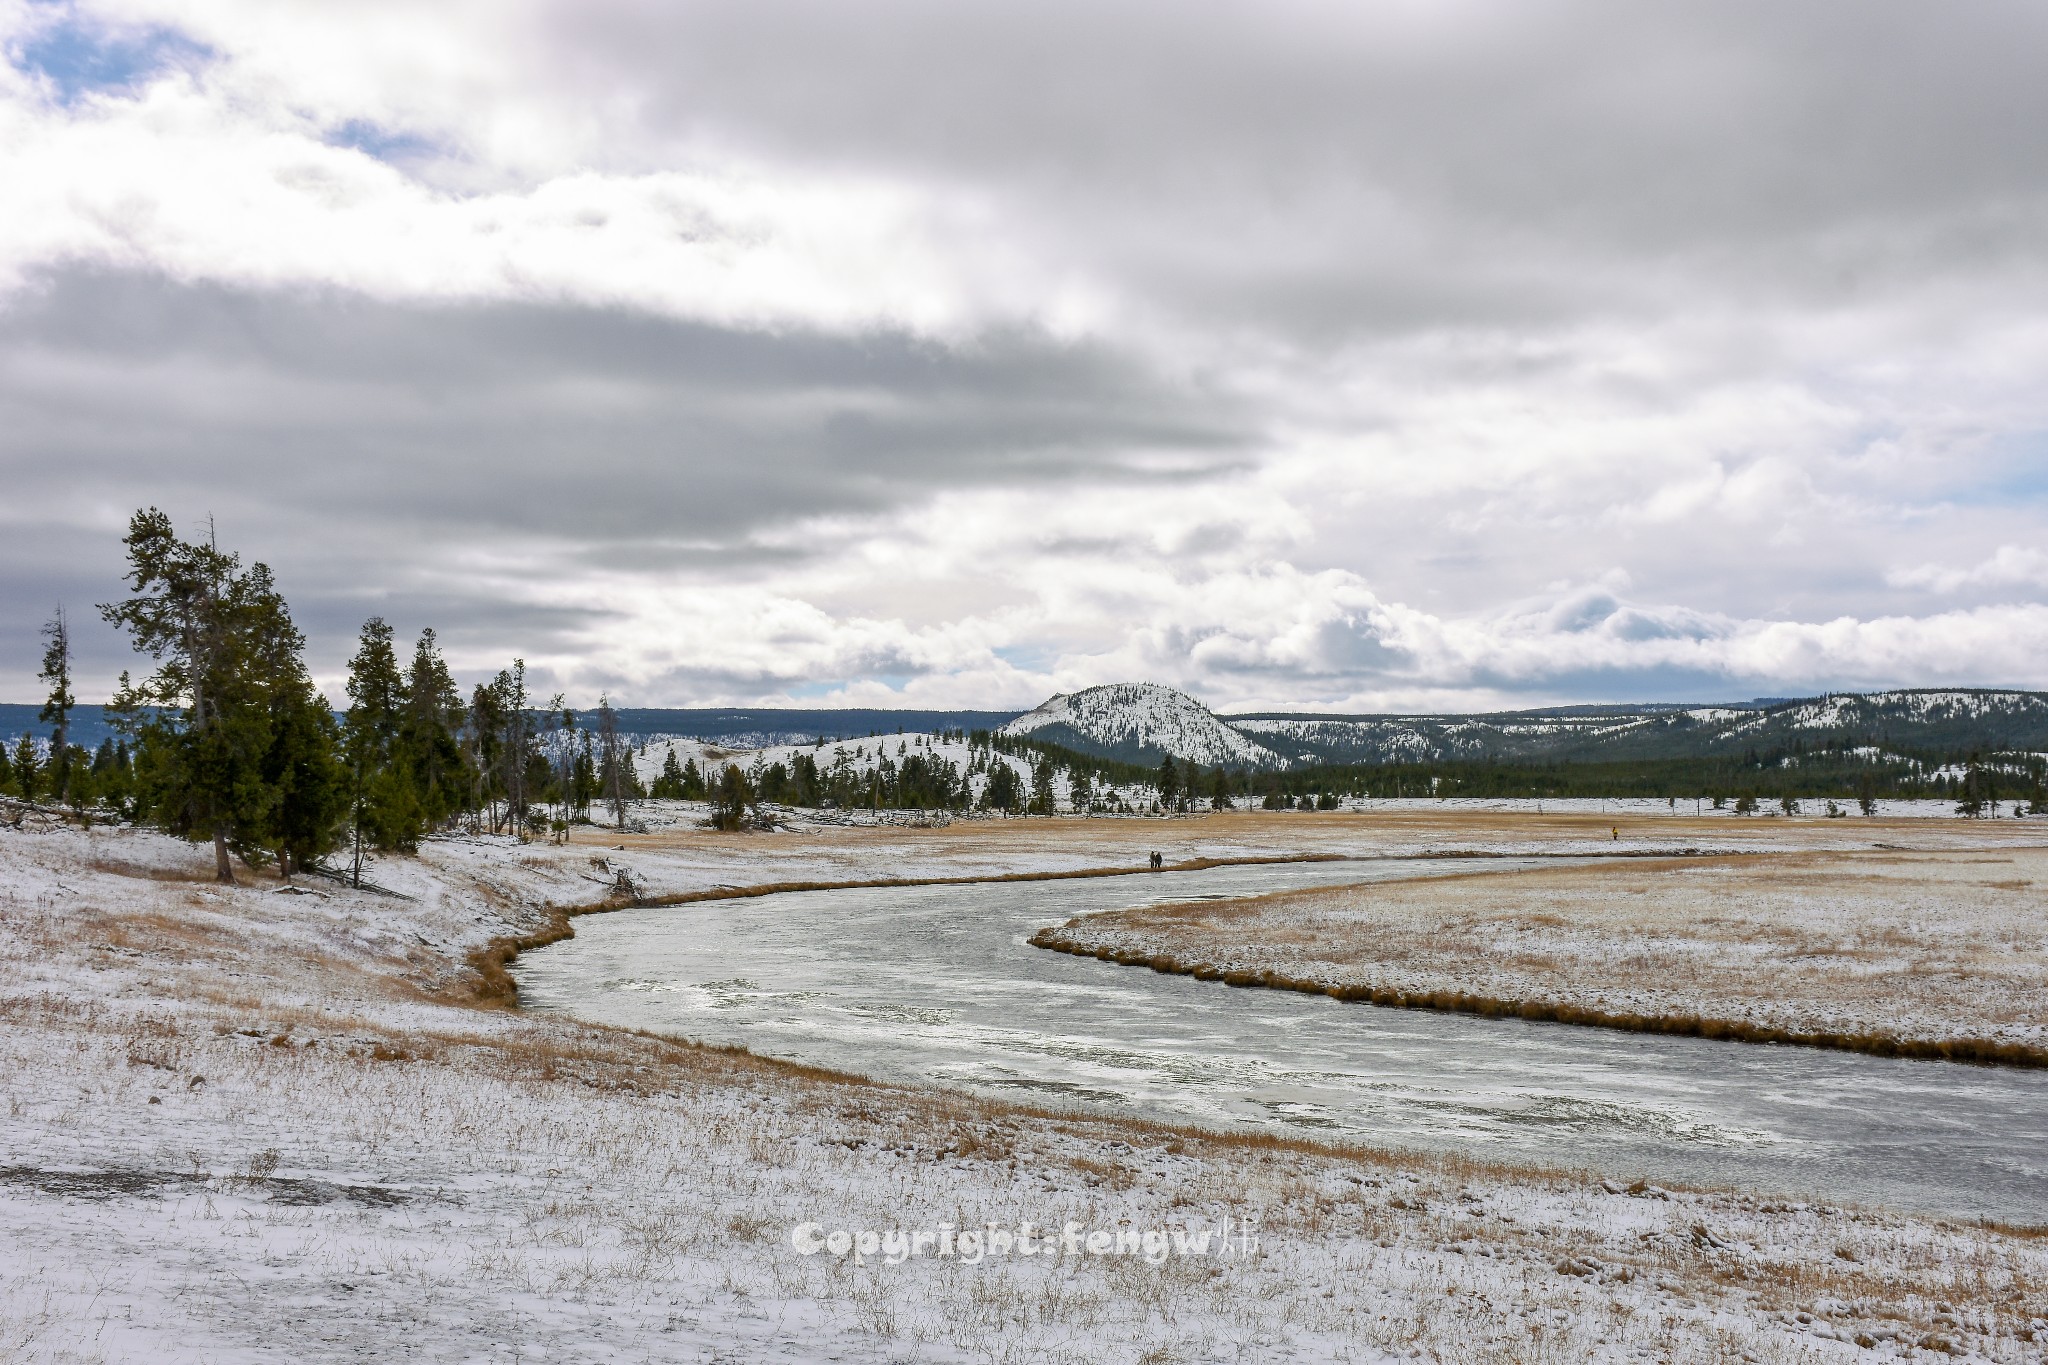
x=1169, y=784
x=1003, y=789
x=384, y=810
x=304, y=766
x=222, y=638
x=1082, y=789
x=669, y=786
x=583, y=780
x=27, y=765
x=613, y=758
x=515, y=743
x=56, y=710
x=481, y=739
x=1041, y=787
x=6, y=770
x=1219, y=790
x=562, y=762
x=428, y=747
x=733, y=803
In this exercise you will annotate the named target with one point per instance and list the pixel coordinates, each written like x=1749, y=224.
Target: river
x=937, y=984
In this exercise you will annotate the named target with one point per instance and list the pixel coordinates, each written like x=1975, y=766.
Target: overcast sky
x=1343, y=356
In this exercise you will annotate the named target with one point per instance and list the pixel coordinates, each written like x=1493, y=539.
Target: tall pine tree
x=56, y=712
x=384, y=811
x=224, y=646
x=429, y=751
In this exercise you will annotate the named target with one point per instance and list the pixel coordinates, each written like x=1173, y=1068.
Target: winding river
x=937, y=984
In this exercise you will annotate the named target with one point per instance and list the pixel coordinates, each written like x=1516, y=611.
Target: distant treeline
x=1829, y=769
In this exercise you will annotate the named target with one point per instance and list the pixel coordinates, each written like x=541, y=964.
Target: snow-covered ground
x=1931, y=947
x=864, y=756
x=241, y=1124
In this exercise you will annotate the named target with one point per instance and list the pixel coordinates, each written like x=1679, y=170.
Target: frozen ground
x=1936, y=946
x=242, y=1124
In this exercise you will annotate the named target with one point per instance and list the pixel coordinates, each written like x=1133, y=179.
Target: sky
x=1421, y=354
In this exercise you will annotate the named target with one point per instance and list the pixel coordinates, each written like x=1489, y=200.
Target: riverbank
x=1937, y=954
x=251, y=1123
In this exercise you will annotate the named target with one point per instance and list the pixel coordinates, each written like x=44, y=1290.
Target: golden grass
x=1978, y=1050
x=1749, y=948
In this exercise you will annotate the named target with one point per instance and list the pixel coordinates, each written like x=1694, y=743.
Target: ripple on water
x=1581, y=1115
x=904, y=1014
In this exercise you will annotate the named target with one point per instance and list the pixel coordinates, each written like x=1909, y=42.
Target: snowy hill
x=1142, y=723
x=1953, y=718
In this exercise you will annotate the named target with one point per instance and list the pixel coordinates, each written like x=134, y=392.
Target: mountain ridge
x=1142, y=722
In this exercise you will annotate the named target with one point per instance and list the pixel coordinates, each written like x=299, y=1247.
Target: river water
x=937, y=984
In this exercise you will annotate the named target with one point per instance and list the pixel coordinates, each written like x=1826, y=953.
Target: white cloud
x=173, y=182
x=2013, y=566
x=1400, y=317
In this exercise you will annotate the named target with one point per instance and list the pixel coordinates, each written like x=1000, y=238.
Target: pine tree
x=27, y=764
x=1082, y=789
x=563, y=752
x=383, y=809
x=56, y=710
x=612, y=760
x=481, y=738
x=429, y=749
x=583, y=780
x=733, y=801
x=1169, y=784
x=669, y=786
x=303, y=764
x=1002, y=791
x=222, y=638
x=1041, y=787
x=515, y=743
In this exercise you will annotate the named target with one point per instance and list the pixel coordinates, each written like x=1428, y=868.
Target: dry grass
x=616, y=1187
x=1900, y=954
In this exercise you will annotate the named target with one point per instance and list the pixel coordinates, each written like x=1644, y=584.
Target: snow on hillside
x=1142, y=719
x=863, y=756
x=1140, y=722
x=1308, y=741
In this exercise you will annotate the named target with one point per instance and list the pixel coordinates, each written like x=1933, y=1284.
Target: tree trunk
x=223, y=870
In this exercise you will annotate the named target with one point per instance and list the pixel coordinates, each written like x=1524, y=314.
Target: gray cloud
x=1340, y=170
x=1587, y=339
x=369, y=450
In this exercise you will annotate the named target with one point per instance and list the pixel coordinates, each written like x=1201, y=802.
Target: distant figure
x=1616, y=831
x=1157, y=862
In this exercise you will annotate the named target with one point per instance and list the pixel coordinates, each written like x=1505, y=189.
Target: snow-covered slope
x=1947, y=719
x=1142, y=723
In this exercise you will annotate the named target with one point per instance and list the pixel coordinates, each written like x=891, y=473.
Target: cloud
x=2013, y=566
x=1326, y=356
